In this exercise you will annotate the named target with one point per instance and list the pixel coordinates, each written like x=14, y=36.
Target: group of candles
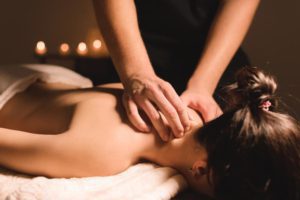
x=64, y=48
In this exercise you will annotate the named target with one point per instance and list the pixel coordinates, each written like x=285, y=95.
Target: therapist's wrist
x=139, y=74
x=131, y=70
x=200, y=86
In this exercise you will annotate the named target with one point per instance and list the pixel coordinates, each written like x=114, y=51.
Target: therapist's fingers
x=169, y=112
x=133, y=113
x=154, y=117
x=164, y=102
x=178, y=104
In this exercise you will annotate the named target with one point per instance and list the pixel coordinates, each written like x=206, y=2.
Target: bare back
x=94, y=117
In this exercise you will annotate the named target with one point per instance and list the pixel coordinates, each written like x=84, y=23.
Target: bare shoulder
x=98, y=108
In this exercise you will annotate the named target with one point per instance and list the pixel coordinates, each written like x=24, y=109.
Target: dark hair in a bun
x=253, y=154
x=252, y=88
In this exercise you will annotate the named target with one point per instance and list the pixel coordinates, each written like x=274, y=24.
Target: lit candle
x=40, y=48
x=97, y=45
x=82, y=49
x=64, y=49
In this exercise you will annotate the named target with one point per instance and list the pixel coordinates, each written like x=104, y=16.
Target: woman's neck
x=179, y=152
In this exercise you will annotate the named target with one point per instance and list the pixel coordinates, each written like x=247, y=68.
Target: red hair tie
x=266, y=105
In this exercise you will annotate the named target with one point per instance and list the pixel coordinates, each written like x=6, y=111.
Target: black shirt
x=175, y=22
x=174, y=33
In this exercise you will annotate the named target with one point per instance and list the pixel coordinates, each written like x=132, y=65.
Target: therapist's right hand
x=158, y=99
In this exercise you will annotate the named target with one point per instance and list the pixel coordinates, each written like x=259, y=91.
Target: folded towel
x=142, y=181
x=16, y=78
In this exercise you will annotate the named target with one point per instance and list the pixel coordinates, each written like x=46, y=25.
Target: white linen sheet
x=139, y=182
x=142, y=181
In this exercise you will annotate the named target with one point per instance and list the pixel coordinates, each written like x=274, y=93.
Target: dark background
x=272, y=43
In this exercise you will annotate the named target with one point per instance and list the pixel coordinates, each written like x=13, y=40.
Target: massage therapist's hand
x=202, y=102
x=155, y=97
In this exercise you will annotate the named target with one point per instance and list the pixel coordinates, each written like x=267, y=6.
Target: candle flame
x=64, y=48
x=41, y=48
x=97, y=44
x=40, y=45
x=82, y=48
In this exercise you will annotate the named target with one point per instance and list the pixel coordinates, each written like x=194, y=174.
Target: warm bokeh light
x=97, y=44
x=40, y=48
x=82, y=49
x=64, y=49
x=41, y=45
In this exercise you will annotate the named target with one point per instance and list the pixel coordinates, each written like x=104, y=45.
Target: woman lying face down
x=250, y=152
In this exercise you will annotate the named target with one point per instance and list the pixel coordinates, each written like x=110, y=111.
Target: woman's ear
x=199, y=169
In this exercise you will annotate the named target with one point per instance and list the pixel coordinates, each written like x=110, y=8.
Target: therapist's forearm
x=119, y=26
x=226, y=34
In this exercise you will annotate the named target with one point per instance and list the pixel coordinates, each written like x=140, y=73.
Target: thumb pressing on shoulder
x=204, y=104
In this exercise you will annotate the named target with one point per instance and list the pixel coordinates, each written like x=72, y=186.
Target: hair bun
x=253, y=87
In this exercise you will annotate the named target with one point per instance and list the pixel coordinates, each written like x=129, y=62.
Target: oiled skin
x=81, y=132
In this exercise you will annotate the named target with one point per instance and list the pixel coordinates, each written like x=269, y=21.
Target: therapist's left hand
x=202, y=102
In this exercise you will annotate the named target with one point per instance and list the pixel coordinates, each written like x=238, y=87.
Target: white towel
x=16, y=78
x=142, y=181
